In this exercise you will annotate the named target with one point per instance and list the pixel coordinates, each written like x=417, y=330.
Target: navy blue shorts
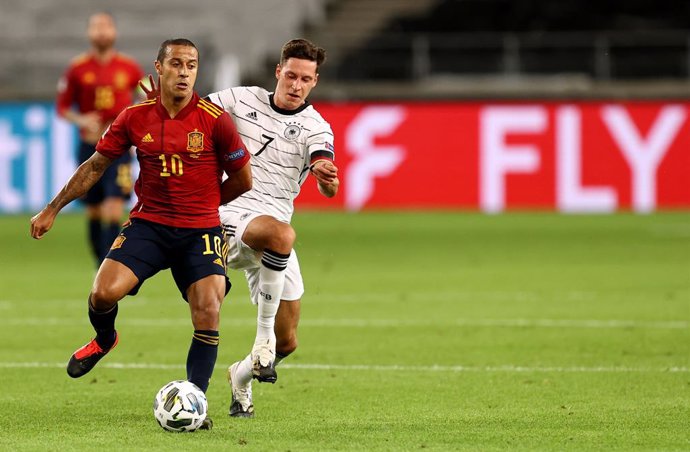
x=190, y=253
x=116, y=181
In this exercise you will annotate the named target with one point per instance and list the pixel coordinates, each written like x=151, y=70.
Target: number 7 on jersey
x=268, y=141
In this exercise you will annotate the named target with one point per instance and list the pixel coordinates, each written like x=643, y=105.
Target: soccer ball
x=180, y=406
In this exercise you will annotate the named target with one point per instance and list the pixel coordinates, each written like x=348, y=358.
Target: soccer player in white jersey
x=288, y=140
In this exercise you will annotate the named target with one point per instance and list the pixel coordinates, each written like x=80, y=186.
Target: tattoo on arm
x=82, y=180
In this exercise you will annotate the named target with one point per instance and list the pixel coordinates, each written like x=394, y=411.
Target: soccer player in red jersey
x=96, y=87
x=184, y=144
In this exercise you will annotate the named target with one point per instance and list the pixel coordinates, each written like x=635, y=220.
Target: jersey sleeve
x=231, y=150
x=320, y=144
x=226, y=98
x=115, y=141
x=65, y=92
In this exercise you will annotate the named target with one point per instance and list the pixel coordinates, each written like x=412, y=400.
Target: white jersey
x=283, y=144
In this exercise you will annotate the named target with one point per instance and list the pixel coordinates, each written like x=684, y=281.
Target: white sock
x=244, y=371
x=271, y=282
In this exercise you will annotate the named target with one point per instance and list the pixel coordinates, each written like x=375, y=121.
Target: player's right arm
x=112, y=144
x=81, y=181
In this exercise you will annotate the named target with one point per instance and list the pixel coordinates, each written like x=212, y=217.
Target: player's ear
x=278, y=68
x=157, y=66
x=316, y=79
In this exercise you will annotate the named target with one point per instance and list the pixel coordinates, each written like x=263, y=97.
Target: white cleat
x=241, y=405
x=263, y=361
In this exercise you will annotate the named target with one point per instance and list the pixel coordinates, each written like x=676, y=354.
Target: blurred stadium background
x=569, y=106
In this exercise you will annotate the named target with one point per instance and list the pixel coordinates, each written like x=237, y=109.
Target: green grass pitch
x=434, y=331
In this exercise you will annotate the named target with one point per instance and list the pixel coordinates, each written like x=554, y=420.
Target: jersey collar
x=283, y=111
x=183, y=113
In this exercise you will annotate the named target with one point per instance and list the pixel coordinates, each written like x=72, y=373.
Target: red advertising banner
x=570, y=157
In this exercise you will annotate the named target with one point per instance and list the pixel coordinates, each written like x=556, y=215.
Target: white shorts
x=242, y=257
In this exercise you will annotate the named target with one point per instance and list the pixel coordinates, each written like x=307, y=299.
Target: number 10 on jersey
x=175, y=166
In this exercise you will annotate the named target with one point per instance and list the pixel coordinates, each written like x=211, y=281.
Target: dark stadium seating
x=605, y=39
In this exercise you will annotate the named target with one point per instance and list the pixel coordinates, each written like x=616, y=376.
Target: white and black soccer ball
x=180, y=406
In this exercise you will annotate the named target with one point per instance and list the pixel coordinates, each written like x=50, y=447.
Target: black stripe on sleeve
x=323, y=153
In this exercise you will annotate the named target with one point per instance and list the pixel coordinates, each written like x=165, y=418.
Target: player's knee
x=283, y=237
x=206, y=316
x=103, y=298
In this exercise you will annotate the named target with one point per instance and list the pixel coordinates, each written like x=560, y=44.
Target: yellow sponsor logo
x=219, y=262
x=147, y=138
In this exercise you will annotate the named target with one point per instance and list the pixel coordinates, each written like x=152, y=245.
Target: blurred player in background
x=288, y=140
x=175, y=223
x=100, y=84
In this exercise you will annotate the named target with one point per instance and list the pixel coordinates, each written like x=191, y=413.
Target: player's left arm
x=326, y=174
x=234, y=159
x=237, y=183
x=322, y=155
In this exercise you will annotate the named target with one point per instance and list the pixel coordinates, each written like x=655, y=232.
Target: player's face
x=296, y=79
x=102, y=31
x=178, y=71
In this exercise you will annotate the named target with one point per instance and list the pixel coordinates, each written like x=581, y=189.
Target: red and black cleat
x=84, y=359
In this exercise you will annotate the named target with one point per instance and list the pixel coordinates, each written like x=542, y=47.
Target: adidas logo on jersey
x=147, y=138
x=252, y=115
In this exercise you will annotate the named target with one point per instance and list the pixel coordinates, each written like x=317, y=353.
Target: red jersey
x=95, y=86
x=181, y=159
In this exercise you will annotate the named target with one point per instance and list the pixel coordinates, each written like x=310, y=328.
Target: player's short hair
x=302, y=49
x=163, y=49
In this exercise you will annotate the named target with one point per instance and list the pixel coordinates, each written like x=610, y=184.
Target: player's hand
x=324, y=171
x=42, y=222
x=90, y=122
x=153, y=90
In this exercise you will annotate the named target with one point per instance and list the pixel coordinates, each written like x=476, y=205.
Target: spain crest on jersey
x=195, y=141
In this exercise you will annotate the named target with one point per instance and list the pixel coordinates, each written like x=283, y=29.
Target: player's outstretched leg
x=84, y=359
x=241, y=404
x=271, y=282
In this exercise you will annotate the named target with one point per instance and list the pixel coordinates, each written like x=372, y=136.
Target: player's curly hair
x=302, y=49
x=163, y=49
